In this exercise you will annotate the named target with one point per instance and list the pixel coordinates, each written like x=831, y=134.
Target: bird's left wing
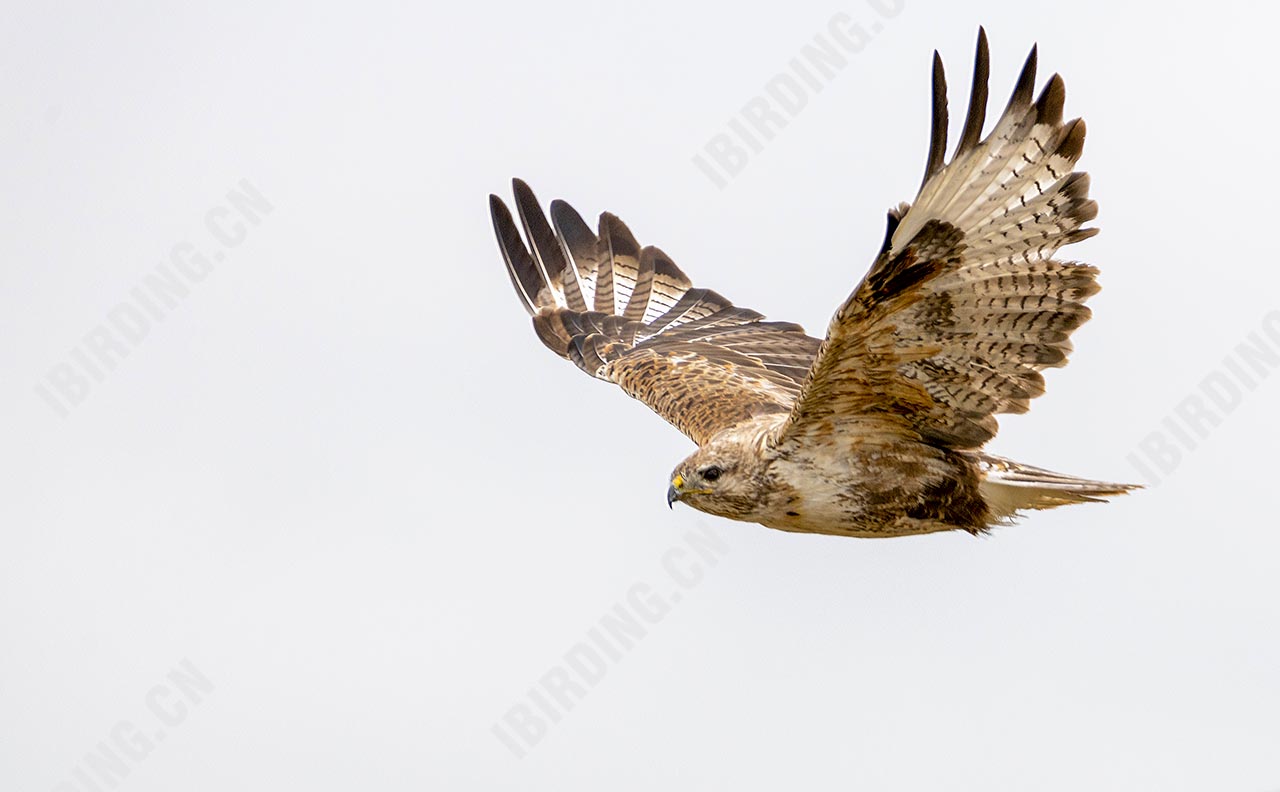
x=628, y=315
x=965, y=305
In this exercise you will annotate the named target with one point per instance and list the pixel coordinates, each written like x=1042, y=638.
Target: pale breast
x=867, y=490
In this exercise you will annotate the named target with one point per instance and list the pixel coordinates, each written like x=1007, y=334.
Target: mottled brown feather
x=952, y=325
x=968, y=341
x=691, y=355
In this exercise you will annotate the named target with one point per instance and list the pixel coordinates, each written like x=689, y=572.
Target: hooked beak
x=674, y=491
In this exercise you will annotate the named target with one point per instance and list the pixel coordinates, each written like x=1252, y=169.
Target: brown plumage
x=876, y=430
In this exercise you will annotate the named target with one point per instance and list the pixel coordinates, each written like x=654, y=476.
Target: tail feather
x=1010, y=487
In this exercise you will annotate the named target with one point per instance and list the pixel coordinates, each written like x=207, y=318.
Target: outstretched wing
x=965, y=305
x=627, y=314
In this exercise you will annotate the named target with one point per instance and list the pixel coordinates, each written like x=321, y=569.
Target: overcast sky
x=295, y=498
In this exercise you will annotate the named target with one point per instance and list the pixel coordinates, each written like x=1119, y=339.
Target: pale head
x=727, y=476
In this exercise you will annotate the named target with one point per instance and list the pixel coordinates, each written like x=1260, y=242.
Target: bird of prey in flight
x=878, y=429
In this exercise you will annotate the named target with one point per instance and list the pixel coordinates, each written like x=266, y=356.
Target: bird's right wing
x=966, y=304
x=628, y=315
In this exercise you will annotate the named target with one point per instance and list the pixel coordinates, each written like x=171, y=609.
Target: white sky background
x=344, y=480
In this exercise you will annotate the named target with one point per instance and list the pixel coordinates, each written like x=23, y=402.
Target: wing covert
x=965, y=304
x=625, y=313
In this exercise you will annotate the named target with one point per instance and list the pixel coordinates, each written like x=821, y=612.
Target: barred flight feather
x=874, y=430
x=1001, y=309
x=648, y=329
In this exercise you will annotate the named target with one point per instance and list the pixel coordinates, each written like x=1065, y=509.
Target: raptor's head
x=725, y=477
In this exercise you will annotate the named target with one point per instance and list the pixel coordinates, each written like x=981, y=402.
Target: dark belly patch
x=955, y=500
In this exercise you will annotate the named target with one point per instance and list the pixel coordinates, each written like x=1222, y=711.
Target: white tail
x=1010, y=487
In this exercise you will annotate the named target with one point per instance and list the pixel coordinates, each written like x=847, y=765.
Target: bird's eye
x=712, y=473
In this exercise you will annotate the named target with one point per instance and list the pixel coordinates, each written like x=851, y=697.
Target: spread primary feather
x=877, y=429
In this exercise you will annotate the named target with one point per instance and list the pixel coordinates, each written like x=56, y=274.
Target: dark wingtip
x=1026, y=82
x=1072, y=145
x=938, y=131
x=664, y=265
x=977, y=114
x=892, y=221
x=1049, y=105
x=569, y=223
x=525, y=275
x=524, y=193
x=611, y=224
